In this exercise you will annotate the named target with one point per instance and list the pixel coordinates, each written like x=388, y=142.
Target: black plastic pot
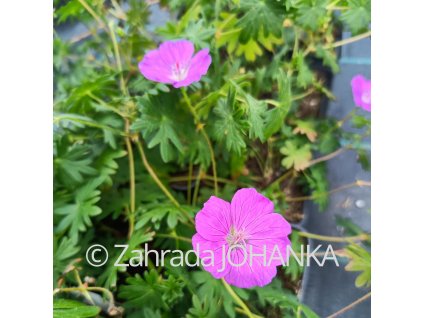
x=329, y=288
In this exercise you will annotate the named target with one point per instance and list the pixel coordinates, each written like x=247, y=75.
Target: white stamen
x=179, y=72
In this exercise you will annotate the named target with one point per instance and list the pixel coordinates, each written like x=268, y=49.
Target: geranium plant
x=158, y=125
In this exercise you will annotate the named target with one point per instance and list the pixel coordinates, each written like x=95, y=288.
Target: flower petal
x=213, y=222
x=248, y=205
x=205, y=248
x=251, y=273
x=275, y=249
x=178, y=51
x=199, y=65
x=269, y=226
x=154, y=69
x=361, y=89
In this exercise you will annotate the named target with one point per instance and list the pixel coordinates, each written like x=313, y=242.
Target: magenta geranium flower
x=174, y=63
x=361, y=89
x=246, y=228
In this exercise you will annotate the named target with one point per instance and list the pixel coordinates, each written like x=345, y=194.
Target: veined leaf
x=205, y=308
x=158, y=124
x=65, y=308
x=312, y=13
x=259, y=15
x=306, y=127
x=357, y=18
x=151, y=290
x=63, y=251
x=256, y=114
x=76, y=216
x=305, y=75
x=153, y=214
x=72, y=162
x=329, y=58
x=360, y=261
x=296, y=156
x=228, y=128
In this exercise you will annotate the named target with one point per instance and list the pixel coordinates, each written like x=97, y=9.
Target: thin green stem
x=200, y=126
x=349, y=40
x=350, y=306
x=211, y=178
x=84, y=289
x=81, y=285
x=92, y=12
x=189, y=185
x=342, y=121
x=303, y=95
x=246, y=310
x=282, y=177
x=336, y=239
x=358, y=183
x=241, y=311
x=333, y=4
x=159, y=182
x=132, y=198
x=197, y=187
x=176, y=237
x=105, y=105
x=88, y=123
x=118, y=60
x=326, y=157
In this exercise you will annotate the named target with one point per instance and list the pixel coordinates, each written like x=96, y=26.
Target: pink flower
x=246, y=228
x=173, y=63
x=361, y=89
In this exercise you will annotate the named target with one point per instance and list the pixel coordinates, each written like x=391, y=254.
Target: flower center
x=365, y=97
x=235, y=237
x=179, y=72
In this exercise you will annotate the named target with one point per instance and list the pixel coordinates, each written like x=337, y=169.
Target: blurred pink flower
x=173, y=63
x=361, y=89
x=246, y=228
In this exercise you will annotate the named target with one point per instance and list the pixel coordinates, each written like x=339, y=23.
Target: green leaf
x=318, y=184
x=329, y=58
x=158, y=124
x=64, y=308
x=312, y=13
x=296, y=156
x=63, y=252
x=80, y=100
x=265, y=15
x=295, y=270
x=357, y=17
x=70, y=10
x=107, y=165
x=360, y=261
x=210, y=288
x=328, y=142
x=205, y=308
x=306, y=127
x=275, y=117
x=305, y=76
x=256, y=113
x=251, y=50
x=77, y=215
x=109, y=276
x=360, y=121
x=154, y=213
x=364, y=159
x=72, y=162
x=152, y=290
x=274, y=295
x=228, y=127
